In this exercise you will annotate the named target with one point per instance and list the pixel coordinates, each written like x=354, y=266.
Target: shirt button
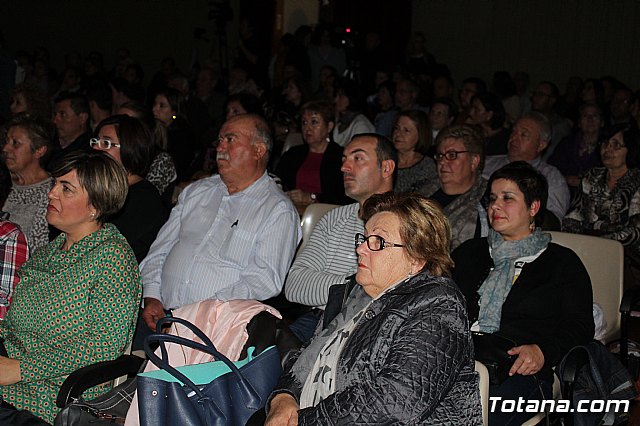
x=368, y=315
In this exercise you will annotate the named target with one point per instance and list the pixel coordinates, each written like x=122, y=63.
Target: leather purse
x=214, y=393
x=108, y=409
x=491, y=350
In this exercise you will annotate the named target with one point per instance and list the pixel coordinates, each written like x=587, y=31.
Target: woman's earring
x=328, y=139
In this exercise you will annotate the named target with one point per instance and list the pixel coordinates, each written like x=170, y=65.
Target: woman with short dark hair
x=488, y=113
x=128, y=141
x=78, y=296
x=520, y=286
x=349, y=119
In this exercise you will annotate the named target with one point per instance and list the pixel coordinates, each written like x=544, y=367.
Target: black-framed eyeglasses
x=103, y=143
x=374, y=242
x=449, y=155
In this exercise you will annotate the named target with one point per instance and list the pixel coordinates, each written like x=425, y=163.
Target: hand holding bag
x=226, y=393
x=491, y=350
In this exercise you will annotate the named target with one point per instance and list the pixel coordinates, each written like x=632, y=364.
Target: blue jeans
x=305, y=325
x=517, y=386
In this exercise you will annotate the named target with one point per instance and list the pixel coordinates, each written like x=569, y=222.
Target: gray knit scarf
x=494, y=290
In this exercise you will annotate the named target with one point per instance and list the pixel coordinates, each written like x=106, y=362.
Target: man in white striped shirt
x=369, y=167
x=231, y=236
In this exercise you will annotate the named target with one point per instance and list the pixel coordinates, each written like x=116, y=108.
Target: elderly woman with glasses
x=78, y=296
x=394, y=347
x=608, y=202
x=460, y=187
x=128, y=141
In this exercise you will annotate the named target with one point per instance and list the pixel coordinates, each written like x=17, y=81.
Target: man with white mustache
x=231, y=236
x=369, y=167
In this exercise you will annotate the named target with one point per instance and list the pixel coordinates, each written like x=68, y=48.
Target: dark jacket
x=330, y=175
x=408, y=361
x=550, y=304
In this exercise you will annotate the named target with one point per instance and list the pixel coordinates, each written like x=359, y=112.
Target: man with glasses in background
x=529, y=138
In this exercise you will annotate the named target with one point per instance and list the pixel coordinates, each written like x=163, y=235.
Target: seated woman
x=487, y=112
x=349, y=119
x=576, y=154
x=162, y=172
x=412, y=138
x=169, y=110
x=78, y=296
x=311, y=172
x=128, y=142
x=27, y=149
x=608, y=199
x=520, y=285
x=398, y=350
x=460, y=187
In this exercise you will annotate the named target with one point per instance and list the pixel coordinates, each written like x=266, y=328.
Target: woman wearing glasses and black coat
x=459, y=156
x=128, y=141
x=396, y=349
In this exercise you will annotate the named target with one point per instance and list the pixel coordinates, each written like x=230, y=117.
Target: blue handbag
x=215, y=393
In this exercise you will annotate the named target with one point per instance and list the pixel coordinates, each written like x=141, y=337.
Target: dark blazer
x=550, y=304
x=330, y=175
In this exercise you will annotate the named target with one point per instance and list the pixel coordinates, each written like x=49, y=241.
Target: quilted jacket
x=409, y=361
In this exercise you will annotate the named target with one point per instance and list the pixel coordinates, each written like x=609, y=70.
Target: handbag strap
x=208, y=347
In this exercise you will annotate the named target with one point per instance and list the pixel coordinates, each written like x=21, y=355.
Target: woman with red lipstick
x=608, y=202
x=521, y=286
x=78, y=296
x=395, y=346
x=311, y=172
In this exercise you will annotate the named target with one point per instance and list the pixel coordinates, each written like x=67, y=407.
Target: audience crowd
x=221, y=164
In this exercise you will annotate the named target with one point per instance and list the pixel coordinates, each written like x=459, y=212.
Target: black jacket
x=550, y=304
x=330, y=175
x=409, y=361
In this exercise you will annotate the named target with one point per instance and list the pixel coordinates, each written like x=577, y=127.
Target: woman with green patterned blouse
x=78, y=296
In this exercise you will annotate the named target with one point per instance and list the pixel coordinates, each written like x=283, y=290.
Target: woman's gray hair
x=101, y=176
x=472, y=140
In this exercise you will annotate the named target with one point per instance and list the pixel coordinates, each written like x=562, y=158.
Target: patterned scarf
x=495, y=288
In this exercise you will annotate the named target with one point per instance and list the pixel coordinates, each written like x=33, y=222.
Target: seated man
x=230, y=236
x=369, y=167
x=529, y=138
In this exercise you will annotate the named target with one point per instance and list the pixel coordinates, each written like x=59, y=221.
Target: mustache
x=222, y=156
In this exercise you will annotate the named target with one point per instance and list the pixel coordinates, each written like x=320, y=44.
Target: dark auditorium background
x=550, y=39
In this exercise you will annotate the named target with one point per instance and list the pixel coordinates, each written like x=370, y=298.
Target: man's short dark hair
x=77, y=101
x=100, y=93
x=385, y=150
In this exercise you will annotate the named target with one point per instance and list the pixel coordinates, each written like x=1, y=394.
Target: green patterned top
x=70, y=309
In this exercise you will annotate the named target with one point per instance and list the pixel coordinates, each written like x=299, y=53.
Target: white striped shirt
x=221, y=246
x=327, y=259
